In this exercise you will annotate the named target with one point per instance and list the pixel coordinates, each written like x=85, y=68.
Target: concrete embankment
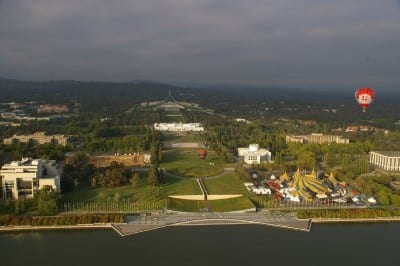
x=357, y=220
x=143, y=223
x=11, y=228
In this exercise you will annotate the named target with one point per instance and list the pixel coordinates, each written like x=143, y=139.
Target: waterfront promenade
x=143, y=223
x=148, y=222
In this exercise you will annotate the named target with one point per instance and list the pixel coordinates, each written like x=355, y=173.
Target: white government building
x=179, y=127
x=254, y=154
x=20, y=179
x=386, y=160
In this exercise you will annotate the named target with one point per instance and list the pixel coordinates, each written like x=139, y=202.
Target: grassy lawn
x=225, y=205
x=182, y=138
x=147, y=197
x=173, y=119
x=185, y=162
x=226, y=184
x=141, y=195
x=172, y=112
x=235, y=204
x=185, y=205
x=173, y=116
x=178, y=186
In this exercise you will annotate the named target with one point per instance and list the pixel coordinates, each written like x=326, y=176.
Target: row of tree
x=18, y=150
x=348, y=213
x=45, y=202
x=60, y=220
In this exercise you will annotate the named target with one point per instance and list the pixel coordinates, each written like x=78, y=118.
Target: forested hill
x=147, y=90
x=239, y=100
x=91, y=95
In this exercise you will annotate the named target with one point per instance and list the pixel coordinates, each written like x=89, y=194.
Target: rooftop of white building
x=389, y=153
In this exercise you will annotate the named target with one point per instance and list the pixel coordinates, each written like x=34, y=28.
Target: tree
x=47, y=201
x=383, y=197
x=160, y=155
x=156, y=152
x=153, y=176
x=112, y=176
x=278, y=157
x=135, y=180
x=242, y=173
x=330, y=159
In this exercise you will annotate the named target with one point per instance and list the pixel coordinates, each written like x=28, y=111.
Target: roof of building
x=389, y=153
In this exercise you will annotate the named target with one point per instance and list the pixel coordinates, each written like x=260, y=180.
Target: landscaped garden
x=128, y=198
x=186, y=163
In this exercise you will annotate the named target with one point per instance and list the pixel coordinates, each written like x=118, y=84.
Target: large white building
x=317, y=138
x=254, y=154
x=386, y=160
x=179, y=127
x=20, y=179
x=38, y=138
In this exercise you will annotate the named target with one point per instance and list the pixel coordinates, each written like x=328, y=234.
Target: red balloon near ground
x=364, y=97
x=202, y=154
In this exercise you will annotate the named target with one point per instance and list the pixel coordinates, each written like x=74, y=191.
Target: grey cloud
x=287, y=42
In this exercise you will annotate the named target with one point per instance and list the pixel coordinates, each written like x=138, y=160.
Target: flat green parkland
x=223, y=205
x=186, y=163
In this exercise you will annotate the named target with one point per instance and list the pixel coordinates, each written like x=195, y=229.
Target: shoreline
x=27, y=228
x=356, y=220
x=16, y=228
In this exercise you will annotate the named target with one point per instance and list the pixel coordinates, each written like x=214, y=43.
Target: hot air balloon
x=202, y=154
x=364, y=96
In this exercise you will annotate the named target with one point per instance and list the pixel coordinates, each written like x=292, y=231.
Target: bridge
x=148, y=222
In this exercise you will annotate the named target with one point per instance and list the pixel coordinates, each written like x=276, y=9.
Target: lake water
x=340, y=244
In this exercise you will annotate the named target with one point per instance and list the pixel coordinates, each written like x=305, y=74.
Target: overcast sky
x=298, y=43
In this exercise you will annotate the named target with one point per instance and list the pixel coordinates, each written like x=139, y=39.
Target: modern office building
x=254, y=154
x=20, y=179
x=386, y=160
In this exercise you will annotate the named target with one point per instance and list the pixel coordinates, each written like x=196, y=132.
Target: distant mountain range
x=154, y=88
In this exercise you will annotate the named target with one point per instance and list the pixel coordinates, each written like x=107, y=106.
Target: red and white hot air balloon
x=202, y=154
x=364, y=97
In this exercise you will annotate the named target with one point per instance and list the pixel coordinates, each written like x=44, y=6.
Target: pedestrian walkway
x=143, y=223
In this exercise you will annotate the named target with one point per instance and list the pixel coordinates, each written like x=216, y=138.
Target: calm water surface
x=344, y=244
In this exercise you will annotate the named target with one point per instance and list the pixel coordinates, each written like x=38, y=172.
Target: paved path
x=179, y=145
x=143, y=223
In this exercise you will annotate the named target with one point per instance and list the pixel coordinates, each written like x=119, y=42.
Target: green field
x=186, y=163
x=185, y=205
x=226, y=184
x=146, y=197
x=143, y=195
x=173, y=116
x=228, y=205
x=180, y=162
x=224, y=205
x=184, y=137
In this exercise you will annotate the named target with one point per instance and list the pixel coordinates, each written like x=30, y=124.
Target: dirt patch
x=169, y=144
x=127, y=160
